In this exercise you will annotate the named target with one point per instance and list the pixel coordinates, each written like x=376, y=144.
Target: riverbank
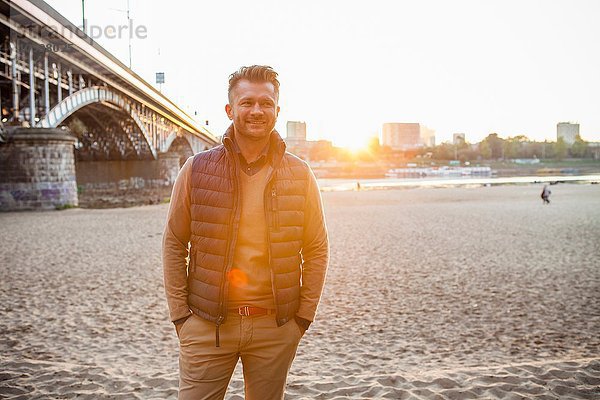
x=457, y=292
x=506, y=168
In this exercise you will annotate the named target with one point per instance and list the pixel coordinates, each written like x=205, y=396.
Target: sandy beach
x=432, y=293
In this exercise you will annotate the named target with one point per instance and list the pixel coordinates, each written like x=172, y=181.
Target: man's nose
x=256, y=109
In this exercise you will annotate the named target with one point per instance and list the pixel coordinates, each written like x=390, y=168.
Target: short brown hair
x=254, y=73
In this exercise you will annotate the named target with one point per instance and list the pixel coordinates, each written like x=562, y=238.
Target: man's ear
x=229, y=111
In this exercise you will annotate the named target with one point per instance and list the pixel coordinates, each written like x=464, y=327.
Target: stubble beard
x=255, y=135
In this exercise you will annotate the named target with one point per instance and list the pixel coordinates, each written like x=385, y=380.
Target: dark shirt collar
x=253, y=167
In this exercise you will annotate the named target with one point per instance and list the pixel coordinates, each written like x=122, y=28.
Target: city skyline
x=346, y=69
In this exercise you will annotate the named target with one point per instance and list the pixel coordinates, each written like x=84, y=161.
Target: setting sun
x=353, y=142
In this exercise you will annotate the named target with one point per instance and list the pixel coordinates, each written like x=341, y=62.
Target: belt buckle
x=244, y=311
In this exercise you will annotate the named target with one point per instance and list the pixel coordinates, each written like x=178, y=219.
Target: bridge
x=62, y=95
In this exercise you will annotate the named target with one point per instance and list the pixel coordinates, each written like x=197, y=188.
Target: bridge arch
x=181, y=145
x=91, y=95
x=173, y=137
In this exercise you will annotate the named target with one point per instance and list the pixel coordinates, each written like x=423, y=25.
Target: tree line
x=494, y=147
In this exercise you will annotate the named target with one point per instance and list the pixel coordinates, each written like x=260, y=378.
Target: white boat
x=436, y=172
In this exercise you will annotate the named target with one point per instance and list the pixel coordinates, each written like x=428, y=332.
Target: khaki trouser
x=266, y=350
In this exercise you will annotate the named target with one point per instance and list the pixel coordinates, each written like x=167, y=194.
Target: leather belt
x=248, y=311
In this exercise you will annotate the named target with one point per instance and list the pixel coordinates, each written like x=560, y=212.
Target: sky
x=347, y=67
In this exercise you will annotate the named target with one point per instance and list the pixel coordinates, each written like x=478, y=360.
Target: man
x=258, y=255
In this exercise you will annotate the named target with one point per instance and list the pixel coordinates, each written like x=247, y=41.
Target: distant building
x=296, y=139
x=568, y=131
x=405, y=136
x=320, y=150
x=401, y=136
x=296, y=132
x=458, y=139
x=427, y=136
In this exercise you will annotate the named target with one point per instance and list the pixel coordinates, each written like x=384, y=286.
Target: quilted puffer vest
x=215, y=212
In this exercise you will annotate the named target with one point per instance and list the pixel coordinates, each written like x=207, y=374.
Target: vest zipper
x=219, y=322
x=228, y=255
x=275, y=208
x=270, y=217
x=192, y=261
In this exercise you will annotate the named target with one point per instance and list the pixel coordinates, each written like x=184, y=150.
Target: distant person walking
x=546, y=195
x=259, y=250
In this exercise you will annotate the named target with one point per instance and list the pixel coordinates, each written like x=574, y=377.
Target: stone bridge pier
x=39, y=170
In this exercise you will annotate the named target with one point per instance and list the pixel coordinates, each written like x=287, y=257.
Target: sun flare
x=353, y=143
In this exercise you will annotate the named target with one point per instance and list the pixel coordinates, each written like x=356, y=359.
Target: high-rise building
x=296, y=139
x=405, y=136
x=427, y=136
x=296, y=132
x=568, y=131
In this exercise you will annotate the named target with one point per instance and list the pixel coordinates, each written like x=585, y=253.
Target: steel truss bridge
x=53, y=75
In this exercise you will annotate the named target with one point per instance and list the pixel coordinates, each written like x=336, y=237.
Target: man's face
x=253, y=109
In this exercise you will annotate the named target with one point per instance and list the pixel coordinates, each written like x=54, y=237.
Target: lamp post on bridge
x=130, y=27
x=83, y=15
